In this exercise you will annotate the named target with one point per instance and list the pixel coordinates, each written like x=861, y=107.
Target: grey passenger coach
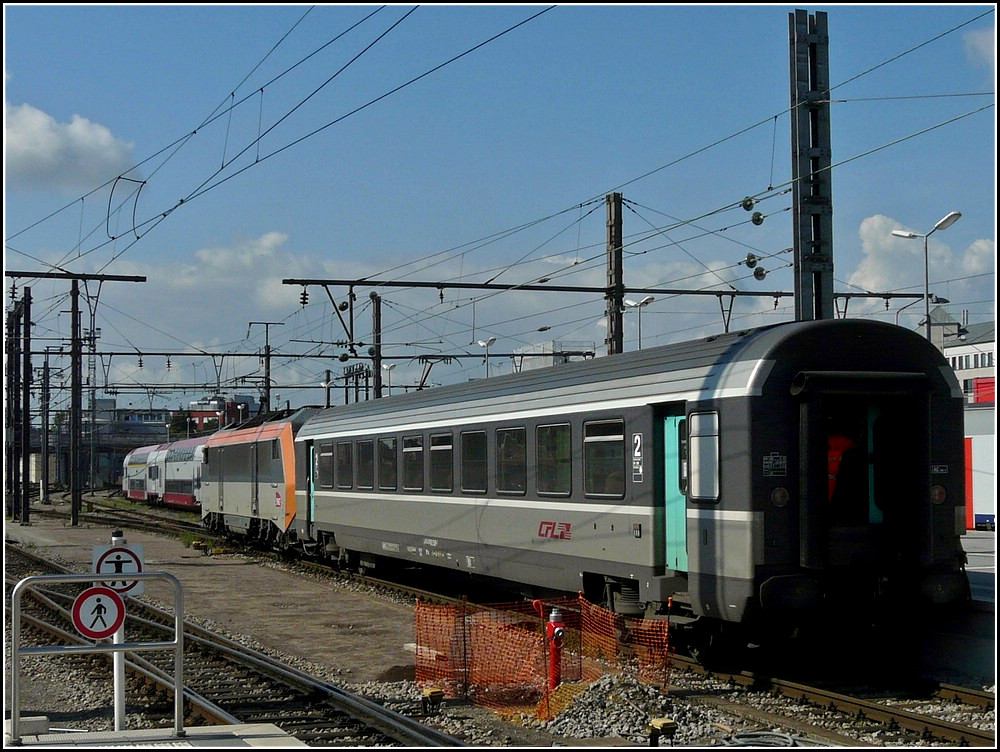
x=746, y=478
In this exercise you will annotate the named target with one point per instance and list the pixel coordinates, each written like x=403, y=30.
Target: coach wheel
x=714, y=647
x=353, y=562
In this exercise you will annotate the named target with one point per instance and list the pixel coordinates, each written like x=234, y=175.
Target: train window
x=265, y=465
x=512, y=460
x=324, y=466
x=474, y=462
x=366, y=464
x=275, y=450
x=604, y=458
x=344, y=461
x=442, y=462
x=239, y=464
x=387, y=464
x=555, y=459
x=703, y=449
x=413, y=463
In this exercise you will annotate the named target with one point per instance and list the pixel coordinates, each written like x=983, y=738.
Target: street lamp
x=934, y=299
x=241, y=406
x=326, y=388
x=640, y=305
x=943, y=224
x=387, y=367
x=960, y=331
x=486, y=344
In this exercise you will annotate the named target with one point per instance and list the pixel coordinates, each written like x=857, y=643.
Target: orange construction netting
x=500, y=656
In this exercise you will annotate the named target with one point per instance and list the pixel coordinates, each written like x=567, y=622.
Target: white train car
x=181, y=471
x=138, y=475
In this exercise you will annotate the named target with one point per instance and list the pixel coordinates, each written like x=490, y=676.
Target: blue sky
x=258, y=143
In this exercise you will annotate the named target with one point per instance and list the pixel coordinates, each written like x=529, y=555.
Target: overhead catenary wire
x=838, y=85
x=869, y=152
x=898, y=56
x=214, y=114
x=206, y=186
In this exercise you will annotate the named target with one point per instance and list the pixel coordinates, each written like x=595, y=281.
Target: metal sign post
x=118, y=659
x=17, y=650
x=119, y=559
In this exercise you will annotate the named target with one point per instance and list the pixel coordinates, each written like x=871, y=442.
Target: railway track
x=112, y=512
x=908, y=721
x=171, y=522
x=229, y=683
x=888, y=711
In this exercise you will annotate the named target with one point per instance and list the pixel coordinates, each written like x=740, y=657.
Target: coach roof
x=732, y=364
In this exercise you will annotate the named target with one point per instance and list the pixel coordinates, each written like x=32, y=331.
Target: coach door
x=220, y=453
x=674, y=491
x=865, y=453
x=254, y=480
x=310, y=487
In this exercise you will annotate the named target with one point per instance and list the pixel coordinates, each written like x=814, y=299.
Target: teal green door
x=674, y=489
x=310, y=489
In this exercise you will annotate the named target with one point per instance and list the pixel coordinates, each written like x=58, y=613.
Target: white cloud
x=980, y=258
x=246, y=275
x=981, y=48
x=889, y=263
x=41, y=153
x=249, y=254
x=897, y=264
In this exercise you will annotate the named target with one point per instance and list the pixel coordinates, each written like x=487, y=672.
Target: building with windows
x=971, y=351
x=210, y=413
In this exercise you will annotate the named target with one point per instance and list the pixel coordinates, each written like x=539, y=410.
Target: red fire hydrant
x=555, y=630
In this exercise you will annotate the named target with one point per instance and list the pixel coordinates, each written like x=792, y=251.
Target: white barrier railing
x=177, y=644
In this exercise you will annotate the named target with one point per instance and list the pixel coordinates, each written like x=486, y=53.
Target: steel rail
x=868, y=709
x=922, y=724
x=138, y=666
x=389, y=723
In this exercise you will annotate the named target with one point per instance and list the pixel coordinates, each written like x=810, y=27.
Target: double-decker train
x=756, y=478
x=167, y=474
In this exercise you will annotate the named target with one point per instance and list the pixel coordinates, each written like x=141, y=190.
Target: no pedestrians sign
x=98, y=612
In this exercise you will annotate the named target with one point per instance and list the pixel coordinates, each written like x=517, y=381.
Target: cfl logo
x=555, y=530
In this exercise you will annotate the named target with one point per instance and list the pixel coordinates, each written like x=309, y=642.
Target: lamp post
x=960, y=332
x=934, y=299
x=486, y=344
x=241, y=406
x=387, y=367
x=326, y=388
x=639, y=306
x=943, y=224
